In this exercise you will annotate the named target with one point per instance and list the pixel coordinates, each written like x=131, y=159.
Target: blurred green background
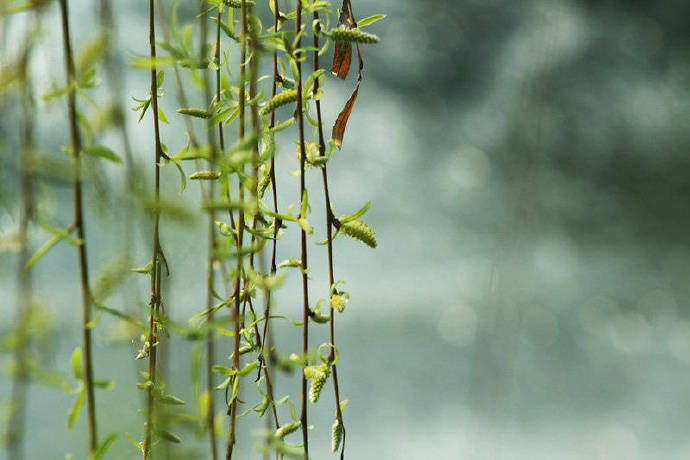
x=528, y=168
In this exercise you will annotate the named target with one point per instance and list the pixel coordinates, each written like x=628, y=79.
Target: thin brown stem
x=155, y=263
x=329, y=226
x=303, y=234
x=240, y=235
x=81, y=231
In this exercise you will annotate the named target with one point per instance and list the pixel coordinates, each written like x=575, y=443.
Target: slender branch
x=329, y=226
x=81, y=232
x=155, y=264
x=303, y=233
x=21, y=371
x=240, y=235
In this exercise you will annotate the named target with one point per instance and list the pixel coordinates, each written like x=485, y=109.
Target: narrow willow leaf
x=224, y=370
x=104, y=384
x=76, y=408
x=357, y=215
x=102, y=152
x=169, y=436
x=370, y=20
x=136, y=444
x=105, y=445
x=42, y=251
x=170, y=399
x=76, y=363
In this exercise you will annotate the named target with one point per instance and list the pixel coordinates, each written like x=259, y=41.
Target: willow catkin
x=281, y=99
x=194, y=112
x=237, y=3
x=205, y=175
x=344, y=34
x=336, y=435
x=359, y=230
x=318, y=376
x=338, y=303
x=287, y=429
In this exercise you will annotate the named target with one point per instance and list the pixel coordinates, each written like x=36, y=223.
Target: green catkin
x=318, y=376
x=284, y=98
x=343, y=34
x=205, y=175
x=359, y=230
x=338, y=303
x=193, y=112
x=336, y=435
x=287, y=429
x=237, y=3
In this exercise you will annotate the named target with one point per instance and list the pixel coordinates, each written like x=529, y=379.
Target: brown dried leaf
x=340, y=124
x=342, y=57
x=347, y=18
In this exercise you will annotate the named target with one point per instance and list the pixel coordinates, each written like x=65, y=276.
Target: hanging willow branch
x=81, y=231
x=155, y=301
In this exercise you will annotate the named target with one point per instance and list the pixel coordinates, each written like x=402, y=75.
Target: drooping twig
x=303, y=233
x=80, y=229
x=232, y=430
x=155, y=262
x=329, y=226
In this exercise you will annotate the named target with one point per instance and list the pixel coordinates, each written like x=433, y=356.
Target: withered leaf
x=342, y=57
x=347, y=18
x=340, y=124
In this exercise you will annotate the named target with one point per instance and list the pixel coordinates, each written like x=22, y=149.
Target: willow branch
x=303, y=233
x=155, y=268
x=81, y=231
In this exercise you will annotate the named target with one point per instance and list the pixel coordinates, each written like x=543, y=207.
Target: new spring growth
x=281, y=99
x=287, y=429
x=344, y=34
x=237, y=3
x=205, y=175
x=359, y=230
x=318, y=376
x=336, y=435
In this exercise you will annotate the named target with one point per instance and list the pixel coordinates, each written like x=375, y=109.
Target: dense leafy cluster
x=237, y=178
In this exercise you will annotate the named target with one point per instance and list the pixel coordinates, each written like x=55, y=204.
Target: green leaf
x=248, y=368
x=136, y=444
x=170, y=399
x=169, y=436
x=224, y=370
x=105, y=445
x=370, y=20
x=43, y=250
x=76, y=363
x=76, y=409
x=357, y=215
x=102, y=152
x=104, y=384
x=146, y=269
x=161, y=115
